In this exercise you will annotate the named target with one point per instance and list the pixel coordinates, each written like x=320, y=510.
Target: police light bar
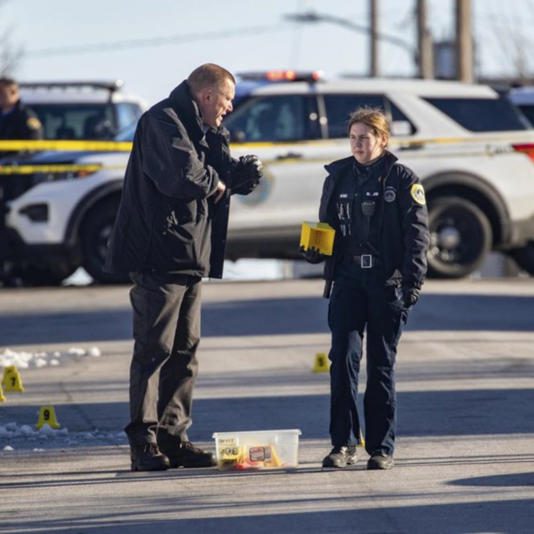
x=282, y=76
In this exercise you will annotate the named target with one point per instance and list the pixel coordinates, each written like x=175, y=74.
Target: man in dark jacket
x=16, y=120
x=169, y=233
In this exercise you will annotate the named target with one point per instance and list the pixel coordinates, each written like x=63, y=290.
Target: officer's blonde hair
x=373, y=118
x=208, y=75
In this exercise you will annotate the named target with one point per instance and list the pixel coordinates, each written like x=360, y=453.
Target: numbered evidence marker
x=321, y=364
x=12, y=381
x=47, y=416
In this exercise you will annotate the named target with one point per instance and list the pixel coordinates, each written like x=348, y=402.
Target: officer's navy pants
x=358, y=305
x=166, y=327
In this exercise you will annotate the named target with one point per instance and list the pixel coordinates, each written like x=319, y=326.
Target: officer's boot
x=183, y=453
x=148, y=457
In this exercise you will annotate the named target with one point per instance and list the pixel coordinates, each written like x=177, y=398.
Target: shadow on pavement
x=421, y=413
x=483, y=516
x=270, y=317
x=504, y=481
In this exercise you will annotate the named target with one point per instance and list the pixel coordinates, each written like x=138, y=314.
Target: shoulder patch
x=418, y=194
x=33, y=123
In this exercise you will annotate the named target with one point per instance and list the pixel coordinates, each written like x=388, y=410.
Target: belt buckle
x=366, y=261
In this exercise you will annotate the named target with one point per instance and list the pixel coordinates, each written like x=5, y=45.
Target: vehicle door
x=283, y=131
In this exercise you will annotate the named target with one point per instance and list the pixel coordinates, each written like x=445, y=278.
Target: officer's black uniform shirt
x=361, y=233
x=20, y=123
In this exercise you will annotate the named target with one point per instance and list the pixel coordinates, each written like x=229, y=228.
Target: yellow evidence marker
x=319, y=236
x=2, y=398
x=47, y=416
x=12, y=381
x=321, y=364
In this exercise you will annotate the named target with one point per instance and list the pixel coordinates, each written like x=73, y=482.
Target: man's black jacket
x=167, y=223
x=404, y=236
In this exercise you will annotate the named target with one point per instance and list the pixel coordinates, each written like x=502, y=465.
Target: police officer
x=377, y=207
x=16, y=120
x=170, y=232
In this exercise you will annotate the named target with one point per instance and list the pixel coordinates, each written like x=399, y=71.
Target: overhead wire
x=111, y=46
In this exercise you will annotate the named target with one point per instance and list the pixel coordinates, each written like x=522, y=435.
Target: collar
x=183, y=102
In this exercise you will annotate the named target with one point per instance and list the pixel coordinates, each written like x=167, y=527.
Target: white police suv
x=473, y=150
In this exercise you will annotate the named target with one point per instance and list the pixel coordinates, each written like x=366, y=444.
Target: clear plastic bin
x=257, y=449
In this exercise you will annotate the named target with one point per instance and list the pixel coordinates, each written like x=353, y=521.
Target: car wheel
x=46, y=275
x=524, y=257
x=94, y=236
x=460, y=237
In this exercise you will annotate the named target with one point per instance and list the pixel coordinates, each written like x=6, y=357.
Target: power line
x=152, y=42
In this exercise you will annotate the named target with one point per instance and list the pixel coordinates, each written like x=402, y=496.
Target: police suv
x=472, y=149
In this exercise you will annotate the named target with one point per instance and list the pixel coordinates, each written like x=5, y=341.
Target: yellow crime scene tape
x=61, y=145
x=126, y=146
x=88, y=168
x=38, y=145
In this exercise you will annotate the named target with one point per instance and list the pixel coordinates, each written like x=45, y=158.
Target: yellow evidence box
x=317, y=235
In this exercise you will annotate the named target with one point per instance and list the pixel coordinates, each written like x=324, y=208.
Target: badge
x=389, y=194
x=33, y=123
x=418, y=194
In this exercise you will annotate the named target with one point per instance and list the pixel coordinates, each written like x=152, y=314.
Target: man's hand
x=246, y=175
x=410, y=295
x=312, y=255
x=219, y=192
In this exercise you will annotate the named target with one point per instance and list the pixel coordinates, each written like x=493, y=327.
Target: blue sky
x=238, y=34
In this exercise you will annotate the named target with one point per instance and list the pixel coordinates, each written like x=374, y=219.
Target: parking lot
x=465, y=456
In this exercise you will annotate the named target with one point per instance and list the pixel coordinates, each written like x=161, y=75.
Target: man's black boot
x=341, y=457
x=147, y=457
x=380, y=460
x=184, y=453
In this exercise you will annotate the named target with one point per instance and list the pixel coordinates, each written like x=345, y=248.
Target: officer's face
x=8, y=96
x=365, y=145
x=215, y=102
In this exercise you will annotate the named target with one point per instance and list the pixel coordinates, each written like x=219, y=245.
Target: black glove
x=410, y=295
x=246, y=175
x=312, y=255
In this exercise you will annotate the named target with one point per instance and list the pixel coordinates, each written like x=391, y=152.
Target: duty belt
x=365, y=261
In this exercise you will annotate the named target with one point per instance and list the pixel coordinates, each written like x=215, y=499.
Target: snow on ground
x=25, y=360
x=15, y=437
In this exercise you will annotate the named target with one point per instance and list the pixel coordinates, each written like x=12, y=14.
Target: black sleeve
x=170, y=160
x=324, y=214
x=219, y=155
x=414, y=222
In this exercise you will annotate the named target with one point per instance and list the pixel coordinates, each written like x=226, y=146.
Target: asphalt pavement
x=465, y=449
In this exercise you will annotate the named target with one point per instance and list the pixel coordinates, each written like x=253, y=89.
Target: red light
x=279, y=75
x=525, y=148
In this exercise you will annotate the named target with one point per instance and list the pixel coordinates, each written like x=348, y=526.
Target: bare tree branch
x=10, y=54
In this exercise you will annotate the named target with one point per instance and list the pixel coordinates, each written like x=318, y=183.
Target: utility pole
x=373, y=35
x=464, y=41
x=425, y=55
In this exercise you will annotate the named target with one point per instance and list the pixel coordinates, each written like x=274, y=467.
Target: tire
x=524, y=257
x=95, y=232
x=460, y=238
x=46, y=275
